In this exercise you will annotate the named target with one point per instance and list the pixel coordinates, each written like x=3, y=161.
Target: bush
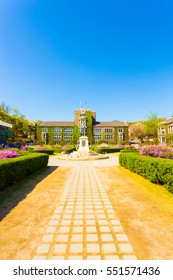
x=108, y=150
x=15, y=169
x=48, y=152
x=157, y=170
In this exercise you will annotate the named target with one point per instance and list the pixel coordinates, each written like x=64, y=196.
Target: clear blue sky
x=116, y=57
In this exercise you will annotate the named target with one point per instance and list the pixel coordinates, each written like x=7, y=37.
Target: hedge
x=48, y=152
x=157, y=170
x=108, y=150
x=15, y=169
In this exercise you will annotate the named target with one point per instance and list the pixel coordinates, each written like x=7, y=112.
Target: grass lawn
x=144, y=209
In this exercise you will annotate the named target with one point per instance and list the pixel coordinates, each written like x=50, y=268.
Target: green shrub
x=15, y=169
x=157, y=170
x=48, y=152
x=108, y=150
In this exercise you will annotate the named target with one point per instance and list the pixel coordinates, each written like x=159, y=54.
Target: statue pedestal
x=83, y=145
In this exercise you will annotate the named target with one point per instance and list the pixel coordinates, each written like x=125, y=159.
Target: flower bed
x=8, y=154
x=157, y=151
x=15, y=169
x=157, y=170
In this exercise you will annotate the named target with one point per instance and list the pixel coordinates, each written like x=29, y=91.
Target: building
x=5, y=131
x=165, y=131
x=84, y=123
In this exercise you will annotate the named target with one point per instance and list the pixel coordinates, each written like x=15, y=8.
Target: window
x=68, y=129
x=82, y=115
x=57, y=129
x=162, y=130
x=56, y=136
x=97, y=130
x=44, y=129
x=120, y=137
x=108, y=130
x=97, y=137
x=67, y=136
x=170, y=129
x=109, y=137
x=120, y=130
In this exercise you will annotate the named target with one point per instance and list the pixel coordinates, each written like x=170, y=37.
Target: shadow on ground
x=15, y=193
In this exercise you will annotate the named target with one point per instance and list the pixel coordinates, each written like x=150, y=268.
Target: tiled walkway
x=85, y=225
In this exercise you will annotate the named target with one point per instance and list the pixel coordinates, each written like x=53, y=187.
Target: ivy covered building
x=61, y=132
x=165, y=131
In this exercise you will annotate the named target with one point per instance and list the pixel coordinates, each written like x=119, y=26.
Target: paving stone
x=94, y=257
x=57, y=258
x=65, y=222
x=90, y=222
x=76, y=248
x=43, y=248
x=60, y=248
x=118, y=229
x=112, y=257
x=92, y=237
x=54, y=222
x=93, y=248
x=104, y=229
x=107, y=237
x=77, y=238
x=64, y=229
x=75, y=258
x=121, y=237
x=51, y=229
x=109, y=248
x=62, y=238
x=78, y=222
x=39, y=258
x=77, y=229
x=125, y=248
x=130, y=257
x=91, y=229
x=47, y=237
x=103, y=222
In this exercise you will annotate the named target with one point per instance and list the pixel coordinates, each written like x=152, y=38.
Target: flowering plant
x=8, y=154
x=39, y=148
x=157, y=151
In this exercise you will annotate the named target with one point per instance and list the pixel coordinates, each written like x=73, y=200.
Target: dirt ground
x=25, y=214
x=145, y=211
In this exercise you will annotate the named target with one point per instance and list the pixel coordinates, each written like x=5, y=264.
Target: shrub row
x=48, y=152
x=157, y=170
x=108, y=150
x=15, y=169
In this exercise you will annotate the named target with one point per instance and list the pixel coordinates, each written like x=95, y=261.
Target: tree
x=151, y=125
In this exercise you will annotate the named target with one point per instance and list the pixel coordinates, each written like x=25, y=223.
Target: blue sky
x=114, y=57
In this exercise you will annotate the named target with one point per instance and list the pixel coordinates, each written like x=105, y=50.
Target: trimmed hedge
x=108, y=150
x=157, y=170
x=48, y=152
x=15, y=169
x=129, y=151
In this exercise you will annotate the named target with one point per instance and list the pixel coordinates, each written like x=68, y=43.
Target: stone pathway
x=85, y=225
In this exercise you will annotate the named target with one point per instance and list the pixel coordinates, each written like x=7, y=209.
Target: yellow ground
x=22, y=229
x=144, y=209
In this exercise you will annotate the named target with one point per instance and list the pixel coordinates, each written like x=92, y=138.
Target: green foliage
x=108, y=150
x=48, y=152
x=15, y=169
x=76, y=133
x=90, y=127
x=159, y=171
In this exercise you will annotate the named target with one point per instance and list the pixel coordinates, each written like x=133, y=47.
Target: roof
x=170, y=120
x=55, y=124
x=5, y=124
x=110, y=124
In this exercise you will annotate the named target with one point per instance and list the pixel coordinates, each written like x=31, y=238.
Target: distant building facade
x=5, y=131
x=85, y=122
x=165, y=131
